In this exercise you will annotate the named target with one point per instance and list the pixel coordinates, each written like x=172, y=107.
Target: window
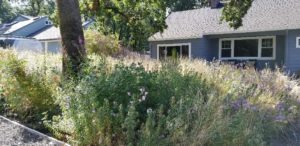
x=247, y=48
x=298, y=42
x=226, y=49
x=267, y=47
x=174, y=51
x=48, y=22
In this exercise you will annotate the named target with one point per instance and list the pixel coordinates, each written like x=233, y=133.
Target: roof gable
x=264, y=15
x=50, y=33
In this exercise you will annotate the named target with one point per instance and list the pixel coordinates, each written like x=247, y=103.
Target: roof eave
x=170, y=39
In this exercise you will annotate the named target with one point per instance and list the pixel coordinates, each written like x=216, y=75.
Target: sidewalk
x=12, y=133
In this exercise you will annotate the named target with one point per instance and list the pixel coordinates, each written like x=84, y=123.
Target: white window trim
x=248, y=58
x=171, y=45
x=297, y=42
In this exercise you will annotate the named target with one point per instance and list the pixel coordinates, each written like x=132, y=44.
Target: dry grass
x=266, y=89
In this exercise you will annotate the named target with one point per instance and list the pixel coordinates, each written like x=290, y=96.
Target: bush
x=181, y=102
x=110, y=104
x=28, y=93
x=100, y=44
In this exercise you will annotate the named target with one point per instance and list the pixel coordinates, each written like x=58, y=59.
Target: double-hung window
x=248, y=48
x=226, y=49
x=267, y=48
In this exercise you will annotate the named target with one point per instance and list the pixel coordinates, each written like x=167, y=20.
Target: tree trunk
x=72, y=36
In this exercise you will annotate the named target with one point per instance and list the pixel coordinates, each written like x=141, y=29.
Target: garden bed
x=12, y=133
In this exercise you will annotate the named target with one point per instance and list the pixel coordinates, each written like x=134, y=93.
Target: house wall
x=287, y=55
x=199, y=48
x=31, y=28
x=53, y=46
x=280, y=46
x=292, y=53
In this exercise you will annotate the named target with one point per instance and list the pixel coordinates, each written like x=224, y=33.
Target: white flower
x=149, y=110
x=143, y=98
x=142, y=89
x=128, y=93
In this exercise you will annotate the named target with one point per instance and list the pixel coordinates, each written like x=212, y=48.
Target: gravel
x=12, y=134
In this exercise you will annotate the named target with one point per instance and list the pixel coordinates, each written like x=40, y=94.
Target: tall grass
x=135, y=101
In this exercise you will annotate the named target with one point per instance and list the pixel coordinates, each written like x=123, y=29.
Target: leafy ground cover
x=134, y=101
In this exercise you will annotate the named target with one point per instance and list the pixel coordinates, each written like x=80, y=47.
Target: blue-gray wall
x=287, y=55
x=292, y=53
x=54, y=47
x=280, y=47
x=199, y=48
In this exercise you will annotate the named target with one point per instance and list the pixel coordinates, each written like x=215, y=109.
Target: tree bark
x=72, y=36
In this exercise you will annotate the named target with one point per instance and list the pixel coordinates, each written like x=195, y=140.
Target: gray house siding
x=292, y=53
x=31, y=28
x=54, y=47
x=199, y=47
x=280, y=46
x=208, y=47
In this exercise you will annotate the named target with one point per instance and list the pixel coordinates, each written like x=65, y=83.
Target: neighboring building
x=270, y=35
x=50, y=38
x=40, y=28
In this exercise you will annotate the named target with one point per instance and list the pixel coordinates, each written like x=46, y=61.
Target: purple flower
x=241, y=103
x=253, y=108
x=280, y=106
x=280, y=117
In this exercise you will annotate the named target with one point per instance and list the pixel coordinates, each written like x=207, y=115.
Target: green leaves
x=234, y=12
x=6, y=11
x=133, y=21
x=181, y=5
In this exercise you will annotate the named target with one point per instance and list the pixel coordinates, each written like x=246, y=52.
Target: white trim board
x=298, y=42
x=170, y=45
x=248, y=58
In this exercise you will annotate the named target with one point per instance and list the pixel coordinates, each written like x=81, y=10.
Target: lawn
x=136, y=101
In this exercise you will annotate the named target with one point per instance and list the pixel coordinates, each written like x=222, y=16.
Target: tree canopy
x=6, y=11
x=35, y=7
x=132, y=21
x=181, y=5
x=234, y=12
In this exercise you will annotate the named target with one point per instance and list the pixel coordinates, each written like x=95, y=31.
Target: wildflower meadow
x=139, y=101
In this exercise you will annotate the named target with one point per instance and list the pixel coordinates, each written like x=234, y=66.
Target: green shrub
x=28, y=93
x=100, y=44
x=110, y=104
x=181, y=102
x=122, y=103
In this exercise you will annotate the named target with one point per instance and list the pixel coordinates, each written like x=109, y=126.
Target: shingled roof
x=264, y=15
x=49, y=33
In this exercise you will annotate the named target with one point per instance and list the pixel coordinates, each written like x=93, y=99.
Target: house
x=39, y=28
x=270, y=35
x=33, y=27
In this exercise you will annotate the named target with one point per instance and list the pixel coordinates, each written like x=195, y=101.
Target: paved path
x=14, y=134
